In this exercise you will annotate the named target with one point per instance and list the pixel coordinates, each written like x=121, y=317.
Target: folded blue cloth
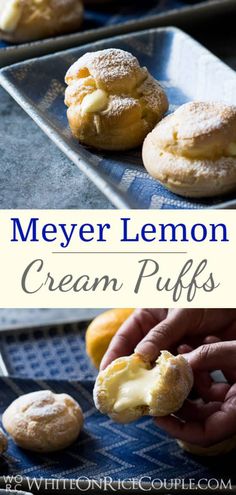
x=105, y=448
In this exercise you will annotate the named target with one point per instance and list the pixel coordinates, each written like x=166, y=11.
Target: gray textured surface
x=34, y=173
x=15, y=318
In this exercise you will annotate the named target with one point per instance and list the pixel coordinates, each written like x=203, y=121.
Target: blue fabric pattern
x=105, y=448
x=56, y=352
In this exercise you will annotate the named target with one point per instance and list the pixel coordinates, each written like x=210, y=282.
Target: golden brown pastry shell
x=189, y=150
x=136, y=101
x=43, y=421
x=62, y=16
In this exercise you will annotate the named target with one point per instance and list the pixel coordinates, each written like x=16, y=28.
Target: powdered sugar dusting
x=122, y=77
x=198, y=130
x=200, y=118
x=43, y=404
x=152, y=94
x=134, y=98
x=106, y=65
x=119, y=104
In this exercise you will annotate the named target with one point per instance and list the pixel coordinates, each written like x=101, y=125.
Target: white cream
x=135, y=388
x=10, y=15
x=94, y=102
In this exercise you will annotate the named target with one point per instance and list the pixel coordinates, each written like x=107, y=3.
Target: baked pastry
x=101, y=330
x=43, y=421
x=113, y=102
x=3, y=442
x=130, y=388
x=220, y=448
x=27, y=20
x=193, y=151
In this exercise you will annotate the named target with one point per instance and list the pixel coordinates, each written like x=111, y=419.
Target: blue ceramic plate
x=186, y=70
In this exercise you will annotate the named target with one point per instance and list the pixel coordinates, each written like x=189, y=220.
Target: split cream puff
x=130, y=388
x=28, y=20
x=192, y=152
x=112, y=102
x=43, y=421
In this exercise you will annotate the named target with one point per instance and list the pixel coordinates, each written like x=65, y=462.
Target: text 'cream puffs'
x=112, y=102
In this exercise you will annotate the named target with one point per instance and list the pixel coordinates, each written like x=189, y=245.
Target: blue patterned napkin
x=105, y=448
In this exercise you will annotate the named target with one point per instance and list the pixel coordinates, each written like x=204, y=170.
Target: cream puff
x=192, y=152
x=130, y=388
x=43, y=421
x=112, y=102
x=28, y=20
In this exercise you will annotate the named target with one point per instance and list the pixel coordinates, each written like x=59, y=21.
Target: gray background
x=17, y=318
x=34, y=173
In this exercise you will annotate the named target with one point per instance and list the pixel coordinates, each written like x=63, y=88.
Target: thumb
x=169, y=332
x=210, y=357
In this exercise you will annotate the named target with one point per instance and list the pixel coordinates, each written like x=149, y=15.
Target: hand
x=202, y=423
x=132, y=332
x=148, y=331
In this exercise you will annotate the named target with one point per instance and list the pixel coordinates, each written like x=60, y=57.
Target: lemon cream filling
x=134, y=388
x=94, y=102
x=202, y=152
x=10, y=15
